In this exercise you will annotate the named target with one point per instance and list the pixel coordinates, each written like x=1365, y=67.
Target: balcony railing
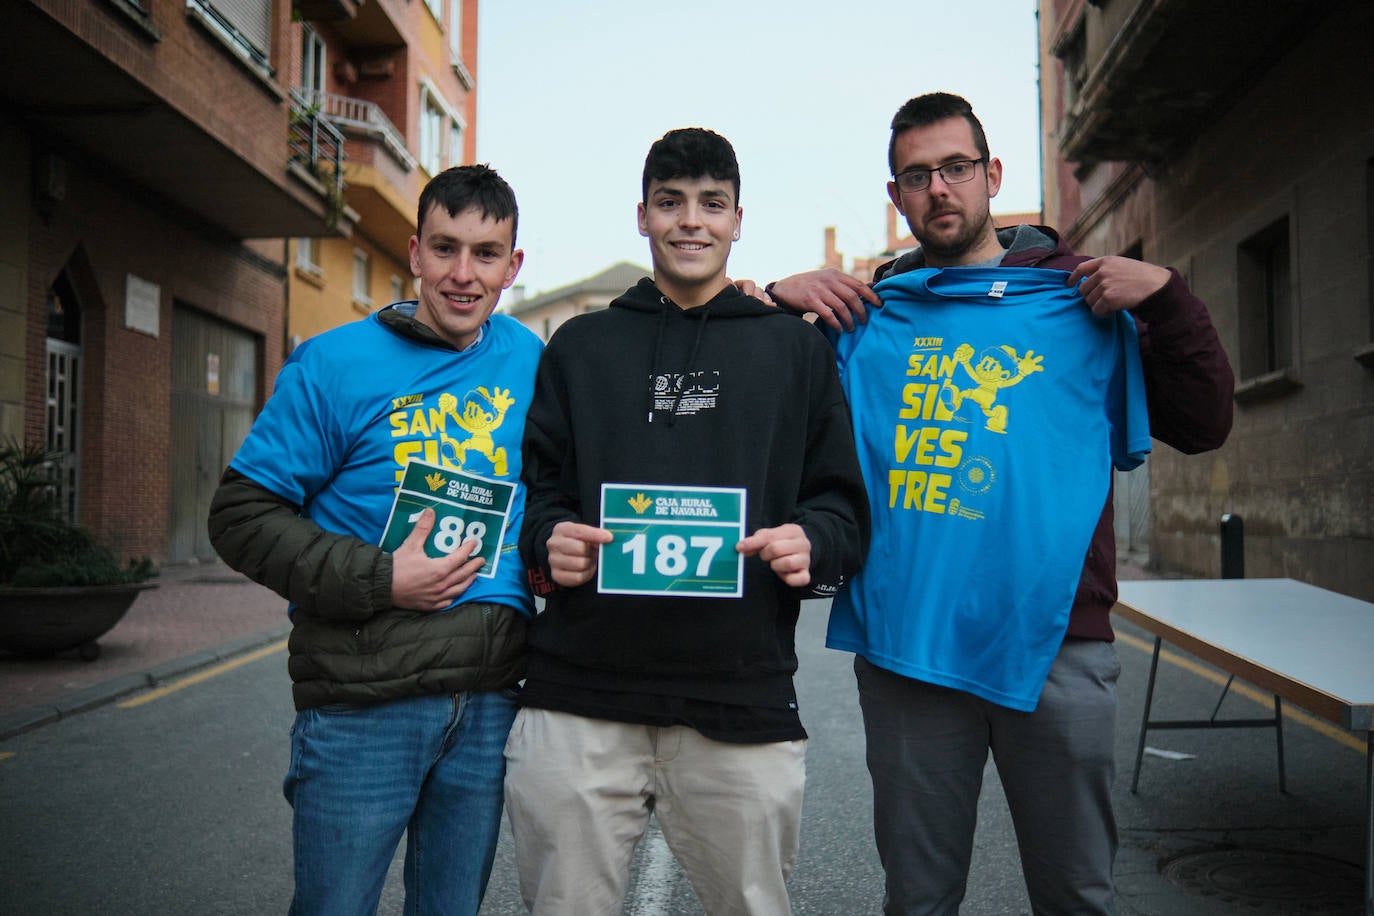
x=1147, y=77
x=356, y=115
x=317, y=145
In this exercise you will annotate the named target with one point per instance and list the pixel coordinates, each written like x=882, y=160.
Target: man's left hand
x=1114, y=283
x=786, y=549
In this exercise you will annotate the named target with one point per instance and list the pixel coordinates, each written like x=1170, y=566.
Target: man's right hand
x=572, y=552
x=833, y=296
x=424, y=583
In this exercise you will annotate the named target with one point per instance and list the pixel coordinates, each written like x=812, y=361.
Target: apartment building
x=543, y=314
x=1234, y=141
x=165, y=156
x=156, y=162
x=395, y=78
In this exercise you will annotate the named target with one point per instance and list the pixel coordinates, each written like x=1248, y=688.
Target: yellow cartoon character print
x=482, y=412
x=997, y=368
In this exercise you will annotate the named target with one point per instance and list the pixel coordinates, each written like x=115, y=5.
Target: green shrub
x=39, y=546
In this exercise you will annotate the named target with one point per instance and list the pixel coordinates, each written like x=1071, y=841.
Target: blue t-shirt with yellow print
x=352, y=406
x=989, y=408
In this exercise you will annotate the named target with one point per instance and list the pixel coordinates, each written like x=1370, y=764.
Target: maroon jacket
x=1188, y=386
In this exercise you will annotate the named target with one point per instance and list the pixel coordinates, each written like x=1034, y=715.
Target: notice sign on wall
x=677, y=541
x=142, y=305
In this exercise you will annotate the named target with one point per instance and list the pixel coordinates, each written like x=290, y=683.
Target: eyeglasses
x=956, y=172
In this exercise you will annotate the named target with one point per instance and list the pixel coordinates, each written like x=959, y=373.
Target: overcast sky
x=571, y=95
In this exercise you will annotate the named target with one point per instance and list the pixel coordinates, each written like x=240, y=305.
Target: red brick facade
x=155, y=156
x=102, y=233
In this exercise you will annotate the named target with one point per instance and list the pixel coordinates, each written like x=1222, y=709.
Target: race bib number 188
x=466, y=508
x=676, y=541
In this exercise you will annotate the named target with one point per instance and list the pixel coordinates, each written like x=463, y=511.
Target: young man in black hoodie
x=675, y=695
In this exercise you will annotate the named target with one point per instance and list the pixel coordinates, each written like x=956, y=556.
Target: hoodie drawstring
x=658, y=352
x=691, y=361
x=668, y=304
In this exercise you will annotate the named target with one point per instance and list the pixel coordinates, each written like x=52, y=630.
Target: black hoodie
x=732, y=393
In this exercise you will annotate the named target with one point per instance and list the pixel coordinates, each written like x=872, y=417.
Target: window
x=441, y=130
x=312, y=62
x=398, y=288
x=1265, y=306
x=455, y=28
x=455, y=143
x=244, y=26
x=455, y=43
x=139, y=14
x=436, y=7
x=431, y=133
x=305, y=255
x=362, y=278
x=64, y=312
x=63, y=403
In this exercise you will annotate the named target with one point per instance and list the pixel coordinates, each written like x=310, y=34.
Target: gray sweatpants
x=927, y=747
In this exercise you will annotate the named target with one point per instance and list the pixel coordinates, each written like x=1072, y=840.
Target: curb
x=25, y=720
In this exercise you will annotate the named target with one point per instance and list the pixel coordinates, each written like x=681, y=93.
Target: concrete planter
x=41, y=621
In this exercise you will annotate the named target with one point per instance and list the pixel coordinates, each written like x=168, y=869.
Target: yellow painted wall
x=318, y=302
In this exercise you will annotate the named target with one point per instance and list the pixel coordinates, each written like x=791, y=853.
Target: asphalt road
x=173, y=806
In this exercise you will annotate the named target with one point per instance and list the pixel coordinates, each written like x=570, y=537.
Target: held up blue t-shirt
x=989, y=407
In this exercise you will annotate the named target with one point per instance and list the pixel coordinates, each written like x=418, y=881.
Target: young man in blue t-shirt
x=402, y=661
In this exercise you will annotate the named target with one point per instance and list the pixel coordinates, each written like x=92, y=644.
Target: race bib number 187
x=676, y=541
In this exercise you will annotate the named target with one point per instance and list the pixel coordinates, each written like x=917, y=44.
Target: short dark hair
x=465, y=186
x=925, y=110
x=691, y=152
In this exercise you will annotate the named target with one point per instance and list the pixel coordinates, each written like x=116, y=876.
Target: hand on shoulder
x=833, y=296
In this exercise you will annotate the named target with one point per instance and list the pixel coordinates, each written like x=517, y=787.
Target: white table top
x=1315, y=637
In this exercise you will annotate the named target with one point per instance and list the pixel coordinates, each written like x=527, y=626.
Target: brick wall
x=101, y=233
x=1297, y=465
x=193, y=73
x=14, y=228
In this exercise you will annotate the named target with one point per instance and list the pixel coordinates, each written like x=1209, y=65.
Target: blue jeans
x=431, y=767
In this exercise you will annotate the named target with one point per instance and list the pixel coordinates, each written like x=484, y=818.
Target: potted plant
x=59, y=588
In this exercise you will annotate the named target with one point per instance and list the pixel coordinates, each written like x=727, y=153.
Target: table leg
x=1278, y=733
x=1369, y=824
x=1145, y=719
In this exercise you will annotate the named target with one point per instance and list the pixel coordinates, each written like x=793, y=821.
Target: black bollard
x=1232, y=547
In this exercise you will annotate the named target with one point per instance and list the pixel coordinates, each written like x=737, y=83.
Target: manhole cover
x=1269, y=880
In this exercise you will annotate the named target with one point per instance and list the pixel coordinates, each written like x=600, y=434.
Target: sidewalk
x=1206, y=836
x=198, y=615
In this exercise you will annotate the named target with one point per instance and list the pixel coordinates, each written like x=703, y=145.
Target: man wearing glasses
x=928, y=733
